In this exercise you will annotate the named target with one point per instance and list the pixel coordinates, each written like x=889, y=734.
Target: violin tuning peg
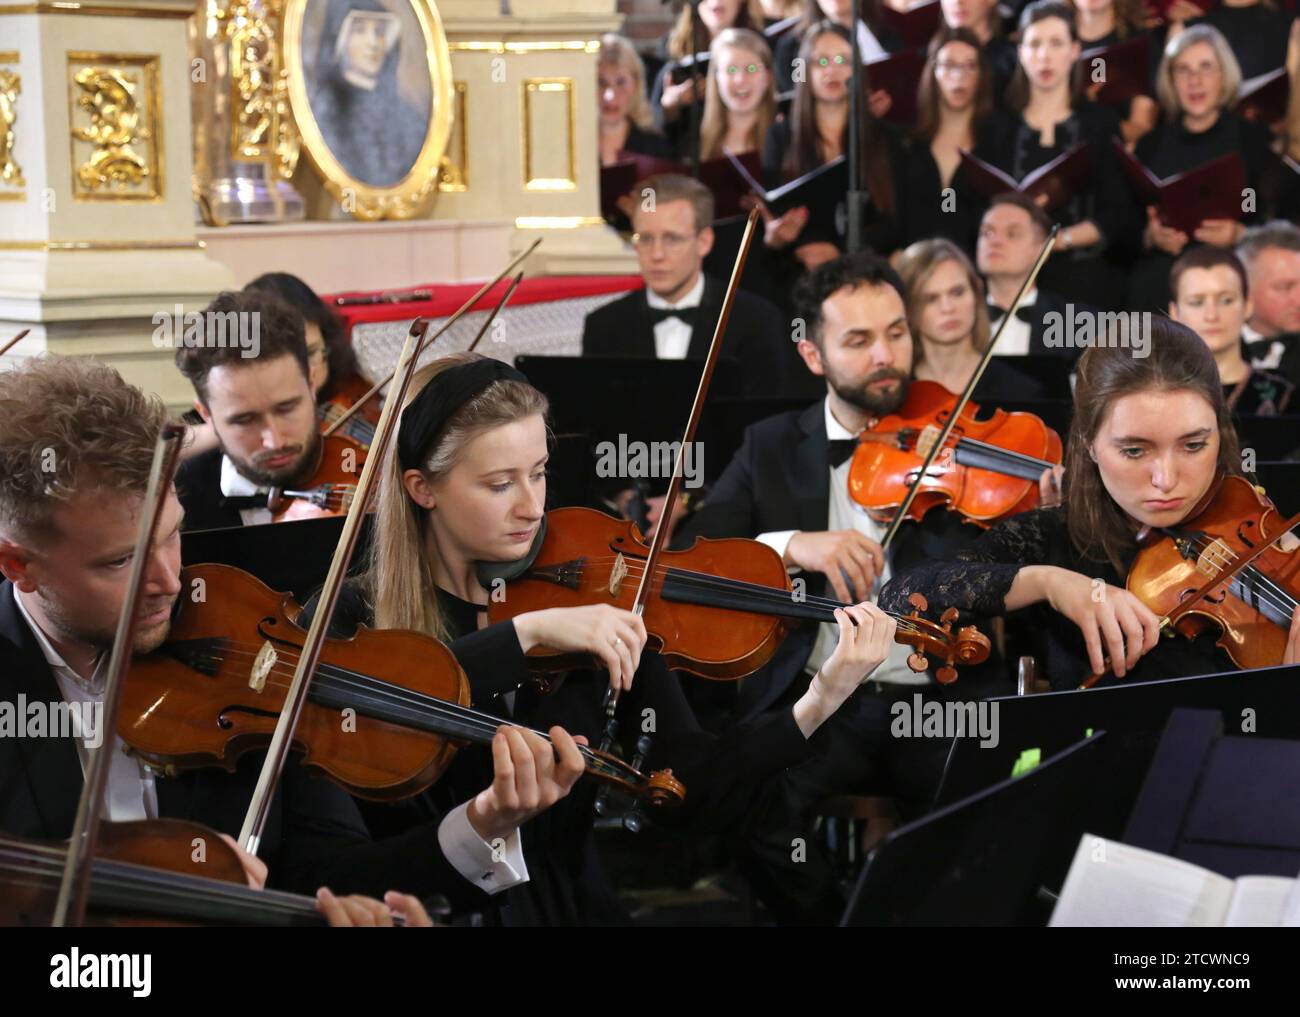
x=918, y=601
x=918, y=662
x=949, y=616
x=946, y=675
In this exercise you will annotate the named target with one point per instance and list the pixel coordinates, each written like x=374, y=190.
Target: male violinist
x=788, y=487
x=76, y=443
x=252, y=382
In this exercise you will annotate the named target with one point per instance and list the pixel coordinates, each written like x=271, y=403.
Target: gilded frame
x=408, y=197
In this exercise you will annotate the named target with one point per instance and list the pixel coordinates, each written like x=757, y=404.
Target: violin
x=146, y=873
x=329, y=489
x=1251, y=609
x=386, y=709
x=987, y=470
x=718, y=609
x=360, y=427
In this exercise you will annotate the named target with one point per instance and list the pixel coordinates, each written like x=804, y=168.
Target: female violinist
x=462, y=500
x=1149, y=438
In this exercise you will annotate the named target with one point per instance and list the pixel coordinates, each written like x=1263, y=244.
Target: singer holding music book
x=1197, y=84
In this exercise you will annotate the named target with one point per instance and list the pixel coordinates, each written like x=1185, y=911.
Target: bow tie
x=689, y=315
x=1025, y=313
x=840, y=450
x=243, y=501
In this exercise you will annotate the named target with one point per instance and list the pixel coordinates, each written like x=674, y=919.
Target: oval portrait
x=370, y=86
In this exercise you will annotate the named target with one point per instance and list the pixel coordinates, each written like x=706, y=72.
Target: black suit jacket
x=198, y=485
x=1046, y=303
x=757, y=335
x=315, y=835
x=778, y=481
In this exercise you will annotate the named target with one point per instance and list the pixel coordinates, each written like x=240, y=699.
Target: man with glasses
x=674, y=316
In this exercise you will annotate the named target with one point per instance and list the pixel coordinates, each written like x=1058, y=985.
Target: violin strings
x=1268, y=591
x=416, y=704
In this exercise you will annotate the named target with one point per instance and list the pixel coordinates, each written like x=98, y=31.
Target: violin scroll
x=967, y=646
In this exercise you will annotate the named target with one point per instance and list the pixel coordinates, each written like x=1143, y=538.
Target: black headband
x=427, y=414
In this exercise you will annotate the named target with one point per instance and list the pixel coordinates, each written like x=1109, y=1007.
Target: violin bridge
x=617, y=574
x=266, y=659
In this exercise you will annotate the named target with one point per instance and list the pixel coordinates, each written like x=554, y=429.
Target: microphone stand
x=856, y=197
x=694, y=125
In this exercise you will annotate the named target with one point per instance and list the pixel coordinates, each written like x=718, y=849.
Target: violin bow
x=464, y=309
x=660, y=539
x=259, y=807
x=70, y=905
x=941, y=441
x=14, y=341
x=505, y=299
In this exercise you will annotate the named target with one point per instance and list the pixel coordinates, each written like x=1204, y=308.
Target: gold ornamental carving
x=11, y=87
x=115, y=112
x=262, y=124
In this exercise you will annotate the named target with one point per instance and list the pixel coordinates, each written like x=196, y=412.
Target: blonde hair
x=399, y=576
x=616, y=50
x=1188, y=37
x=917, y=264
x=750, y=15
x=68, y=426
x=713, y=125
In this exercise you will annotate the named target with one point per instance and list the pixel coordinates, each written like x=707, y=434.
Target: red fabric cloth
x=447, y=298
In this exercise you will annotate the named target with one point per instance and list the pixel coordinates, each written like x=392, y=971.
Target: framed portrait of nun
x=371, y=91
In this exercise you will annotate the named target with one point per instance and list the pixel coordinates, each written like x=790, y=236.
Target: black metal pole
x=697, y=95
x=855, y=195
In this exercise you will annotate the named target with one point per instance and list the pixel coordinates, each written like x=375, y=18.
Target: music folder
x=1263, y=98
x=822, y=192
x=1185, y=200
x=1124, y=70
x=916, y=25
x=719, y=175
x=898, y=74
x=683, y=69
x=1057, y=180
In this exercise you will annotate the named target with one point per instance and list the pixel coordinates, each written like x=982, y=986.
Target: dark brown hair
x=803, y=155
x=297, y=294
x=278, y=327
x=1207, y=256
x=1177, y=360
x=1028, y=205
x=927, y=92
x=1041, y=10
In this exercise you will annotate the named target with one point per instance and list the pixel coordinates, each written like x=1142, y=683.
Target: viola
x=987, y=470
x=145, y=873
x=386, y=709
x=1251, y=609
x=329, y=489
x=718, y=609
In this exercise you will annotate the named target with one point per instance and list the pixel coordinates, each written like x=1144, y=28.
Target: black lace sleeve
x=978, y=578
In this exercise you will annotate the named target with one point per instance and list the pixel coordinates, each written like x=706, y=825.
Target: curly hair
x=67, y=426
x=848, y=270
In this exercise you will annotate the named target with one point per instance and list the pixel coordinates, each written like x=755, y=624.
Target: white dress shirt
x=1014, y=340
x=235, y=485
x=132, y=793
x=844, y=515
x=673, y=336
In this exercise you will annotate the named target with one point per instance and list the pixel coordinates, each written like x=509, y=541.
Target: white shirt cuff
x=490, y=868
x=777, y=540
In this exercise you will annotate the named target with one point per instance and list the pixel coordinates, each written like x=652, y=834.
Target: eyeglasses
x=956, y=69
x=748, y=68
x=672, y=242
x=1206, y=70
x=838, y=60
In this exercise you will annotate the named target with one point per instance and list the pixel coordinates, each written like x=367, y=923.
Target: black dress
x=1090, y=275
x=927, y=211
x=1171, y=148
x=1260, y=394
x=976, y=582
x=568, y=884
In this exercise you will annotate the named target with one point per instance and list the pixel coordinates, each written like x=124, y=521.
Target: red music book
x=718, y=175
x=899, y=74
x=916, y=25
x=1057, y=180
x=1263, y=98
x=1185, y=200
x=1122, y=73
